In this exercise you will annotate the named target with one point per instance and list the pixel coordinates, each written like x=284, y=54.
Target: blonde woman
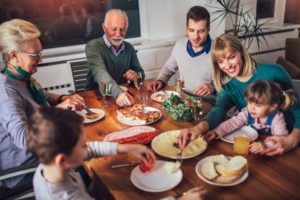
x=233, y=71
x=20, y=94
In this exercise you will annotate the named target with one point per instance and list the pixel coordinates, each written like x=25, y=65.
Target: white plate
x=207, y=159
x=157, y=180
x=100, y=112
x=245, y=130
x=167, y=93
x=163, y=145
x=137, y=122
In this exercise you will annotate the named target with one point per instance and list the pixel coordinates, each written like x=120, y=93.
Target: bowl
x=181, y=109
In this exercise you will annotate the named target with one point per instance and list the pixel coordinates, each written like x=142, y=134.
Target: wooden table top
x=269, y=177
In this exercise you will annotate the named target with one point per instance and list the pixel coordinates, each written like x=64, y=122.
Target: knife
x=124, y=165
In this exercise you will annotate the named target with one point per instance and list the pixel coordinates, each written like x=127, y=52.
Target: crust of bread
x=208, y=171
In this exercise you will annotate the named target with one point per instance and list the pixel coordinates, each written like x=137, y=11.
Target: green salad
x=179, y=109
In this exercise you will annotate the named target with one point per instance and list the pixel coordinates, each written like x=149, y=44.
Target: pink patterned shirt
x=278, y=125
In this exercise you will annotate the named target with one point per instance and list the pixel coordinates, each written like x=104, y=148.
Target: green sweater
x=104, y=65
x=233, y=95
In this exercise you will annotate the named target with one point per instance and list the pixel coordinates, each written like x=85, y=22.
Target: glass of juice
x=241, y=144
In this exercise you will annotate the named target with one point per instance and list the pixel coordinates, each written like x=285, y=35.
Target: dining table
x=271, y=178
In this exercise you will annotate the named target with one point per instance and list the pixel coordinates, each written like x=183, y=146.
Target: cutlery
x=88, y=111
x=124, y=165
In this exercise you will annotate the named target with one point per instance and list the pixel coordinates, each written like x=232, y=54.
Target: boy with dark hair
x=55, y=137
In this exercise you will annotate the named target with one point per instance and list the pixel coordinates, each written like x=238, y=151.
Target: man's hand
x=205, y=89
x=125, y=99
x=155, y=85
x=130, y=75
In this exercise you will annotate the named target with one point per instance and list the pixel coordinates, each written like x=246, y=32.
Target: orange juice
x=132, y=158
x=241, y=144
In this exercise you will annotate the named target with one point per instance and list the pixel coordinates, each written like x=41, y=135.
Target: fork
x=88, y=111
x=179, y=157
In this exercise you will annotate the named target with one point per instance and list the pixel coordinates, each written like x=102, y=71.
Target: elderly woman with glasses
x=20, y=94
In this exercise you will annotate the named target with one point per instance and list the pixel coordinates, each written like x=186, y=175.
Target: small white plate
x=199, y=174
x=157, y=180
x=163, y=145
x=137, y=122
x=245, y=130
x=100, y=112
x=166, y=94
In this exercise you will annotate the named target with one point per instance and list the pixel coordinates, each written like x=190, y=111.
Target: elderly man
x=111, y=59
x=191, y=56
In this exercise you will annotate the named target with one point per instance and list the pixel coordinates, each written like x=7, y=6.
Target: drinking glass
x=138, y=82
x=179, y=86
x=105, y=90
x=197, y=109
x=241, y=144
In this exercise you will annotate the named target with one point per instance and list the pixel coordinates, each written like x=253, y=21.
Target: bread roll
x=208, y=171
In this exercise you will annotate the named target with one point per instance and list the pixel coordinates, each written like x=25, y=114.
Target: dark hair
x=270, y=92
x=198, y=13
x=51, y=131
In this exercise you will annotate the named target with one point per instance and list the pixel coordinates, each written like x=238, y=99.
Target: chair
x=291, y=62
x=20, y=192
x=79, y=71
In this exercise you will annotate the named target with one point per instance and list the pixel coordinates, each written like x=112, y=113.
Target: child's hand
x=195, y=193
x=140, y=151
x=210, y=135
x=257, y=147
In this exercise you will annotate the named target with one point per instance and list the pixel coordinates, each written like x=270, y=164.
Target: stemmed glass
x=179, y=86
x=197, y=109
x=138, y=82
x=105, y=90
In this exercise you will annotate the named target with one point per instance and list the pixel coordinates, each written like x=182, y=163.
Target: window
x=292, y=9
x=69, y=22
x=265, y=9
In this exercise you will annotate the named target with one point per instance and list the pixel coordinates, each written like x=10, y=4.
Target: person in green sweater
x=111, y=59
x=233, y=71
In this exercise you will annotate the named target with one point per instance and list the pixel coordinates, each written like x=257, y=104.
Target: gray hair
x=116, y=12
x=14, y=33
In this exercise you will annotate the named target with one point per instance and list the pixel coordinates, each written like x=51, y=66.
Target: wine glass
x=105, y=90
x=179, y=86
x=197, y=109
x=138, y=82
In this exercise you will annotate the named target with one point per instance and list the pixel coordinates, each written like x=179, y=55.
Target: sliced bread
x=234, y=167
x=208, y=171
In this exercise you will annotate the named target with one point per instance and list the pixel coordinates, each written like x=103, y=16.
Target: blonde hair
x=228, y=43
x=270, y=92
x=14, y=33
x=116, y=12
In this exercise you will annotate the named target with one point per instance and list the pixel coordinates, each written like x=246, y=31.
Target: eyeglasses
x=36, y=55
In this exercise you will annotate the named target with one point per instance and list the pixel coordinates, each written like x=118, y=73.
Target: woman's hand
x=257, y=147
x=72, y=102
x=190, y=134
x=140, y=151
x=195, y=193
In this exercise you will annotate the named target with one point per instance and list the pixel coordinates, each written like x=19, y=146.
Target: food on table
x=92, y=115
x=163, y=144
x=147, y=166
x=219, y=170
x=160, y=97
x=181, y=109
x=136, y=112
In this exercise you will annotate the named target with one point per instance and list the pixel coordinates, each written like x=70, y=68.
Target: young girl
x=265, y=99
